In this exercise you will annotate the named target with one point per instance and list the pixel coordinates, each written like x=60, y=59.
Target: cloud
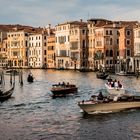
x=43, y=12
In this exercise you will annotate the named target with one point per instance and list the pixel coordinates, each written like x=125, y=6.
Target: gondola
x=5, y=95
x=102, y=75
x=30, y=78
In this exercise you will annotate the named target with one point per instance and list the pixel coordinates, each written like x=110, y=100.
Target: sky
x=40, y=13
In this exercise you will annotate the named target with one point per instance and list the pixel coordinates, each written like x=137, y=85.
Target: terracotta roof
x=18, y=27
x=79, y=23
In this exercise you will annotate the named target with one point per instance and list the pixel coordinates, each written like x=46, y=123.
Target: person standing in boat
x=100, y=96
x=119, y=84
x=116, y=84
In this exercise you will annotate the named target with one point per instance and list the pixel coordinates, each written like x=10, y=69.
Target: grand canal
x=31, y=114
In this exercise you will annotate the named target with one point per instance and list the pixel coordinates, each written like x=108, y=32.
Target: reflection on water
x=32, y=114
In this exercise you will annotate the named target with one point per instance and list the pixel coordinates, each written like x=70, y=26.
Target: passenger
x=112, y=84
x=109, y=79
x=119, y=84
x=63, y=83
x=116, y=84
x=100, y=96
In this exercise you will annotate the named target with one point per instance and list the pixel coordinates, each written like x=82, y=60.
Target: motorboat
x=59, y=90
x=114, y=90
x=121, y=73
x=110, y=104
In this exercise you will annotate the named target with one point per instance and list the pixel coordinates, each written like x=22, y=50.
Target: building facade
x=17, y=42
x=35, y=51
x=71, y=45
x=136, y=59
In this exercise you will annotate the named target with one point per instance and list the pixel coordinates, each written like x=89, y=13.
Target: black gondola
x=30, y=78
x=102, y=75
x=4, y=95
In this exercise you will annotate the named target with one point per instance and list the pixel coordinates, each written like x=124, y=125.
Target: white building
x=35, y=51
x=136, y=65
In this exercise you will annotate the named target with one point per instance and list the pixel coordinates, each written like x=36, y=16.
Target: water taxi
x=59, y=90
x=110, y=104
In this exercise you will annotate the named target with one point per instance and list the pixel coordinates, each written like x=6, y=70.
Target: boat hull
x=92, y=107
x=102, y=76
x=6, y=95
x=63, y=91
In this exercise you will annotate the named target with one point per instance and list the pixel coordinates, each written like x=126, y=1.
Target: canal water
x=31, y=114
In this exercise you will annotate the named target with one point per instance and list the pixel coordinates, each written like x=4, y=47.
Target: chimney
x=49, y=29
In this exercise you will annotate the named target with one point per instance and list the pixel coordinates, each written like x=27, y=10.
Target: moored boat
x=118, y=103
x=59, y=90
x=121, y=73
x=11, y=71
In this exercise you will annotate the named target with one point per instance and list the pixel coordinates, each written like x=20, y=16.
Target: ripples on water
x=32, y=114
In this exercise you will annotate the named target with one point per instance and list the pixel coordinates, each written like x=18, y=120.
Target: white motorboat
x=118, y=103
x=121, y=73
x=114, y=90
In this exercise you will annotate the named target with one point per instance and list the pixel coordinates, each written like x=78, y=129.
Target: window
x=62, y=39
x=111, y=62
x=111, y=41
x=111, y=53
x=84, y=44
x=117, y=41
x=99, y=43
x=63, y=53
x=128, y=32
x=107, y=62
x=128, y=52
x=128, y=42
x=45, y=52
x=107, y=53
x=74, y=45
x=83, y=32
x=106, y=32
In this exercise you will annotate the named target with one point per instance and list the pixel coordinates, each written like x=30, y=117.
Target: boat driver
x=100, y=96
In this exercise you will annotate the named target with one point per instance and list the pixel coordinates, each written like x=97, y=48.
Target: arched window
x=110, y=41
x=15, y=63
x=111, y=53
x=107, y=52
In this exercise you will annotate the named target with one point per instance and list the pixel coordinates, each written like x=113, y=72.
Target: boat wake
x=100, y=112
